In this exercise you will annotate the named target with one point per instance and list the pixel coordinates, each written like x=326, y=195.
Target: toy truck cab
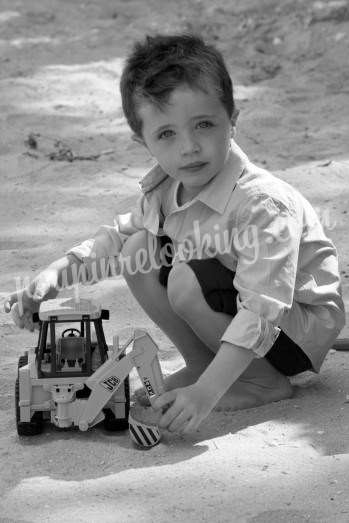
x=71, y=353
x=51, y=383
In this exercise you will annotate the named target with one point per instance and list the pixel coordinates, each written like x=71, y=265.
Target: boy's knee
x=183, y=289
x=138, y=254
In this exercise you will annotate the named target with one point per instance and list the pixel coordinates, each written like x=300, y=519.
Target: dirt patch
x=67, y=165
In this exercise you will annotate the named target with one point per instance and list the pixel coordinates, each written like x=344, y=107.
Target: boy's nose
x=189, y=145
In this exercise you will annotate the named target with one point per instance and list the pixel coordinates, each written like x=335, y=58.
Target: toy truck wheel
x=113, y=424
x=35, y=425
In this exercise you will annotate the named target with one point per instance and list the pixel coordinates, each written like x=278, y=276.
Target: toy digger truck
x=74, y=379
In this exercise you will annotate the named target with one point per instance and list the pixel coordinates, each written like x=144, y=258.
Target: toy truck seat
x=71, y=351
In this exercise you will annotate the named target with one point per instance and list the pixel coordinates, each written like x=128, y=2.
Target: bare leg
x=261, y=382
x=152, y=297
x=196, y=329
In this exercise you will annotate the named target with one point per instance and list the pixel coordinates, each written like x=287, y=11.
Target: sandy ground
x=60, y=65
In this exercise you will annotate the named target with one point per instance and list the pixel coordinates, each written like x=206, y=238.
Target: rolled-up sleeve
x=105, y=246
x=267, y=243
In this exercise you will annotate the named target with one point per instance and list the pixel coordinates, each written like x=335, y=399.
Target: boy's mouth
x=194, y=166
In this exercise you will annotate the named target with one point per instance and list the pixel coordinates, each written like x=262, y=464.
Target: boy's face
x=189, y=137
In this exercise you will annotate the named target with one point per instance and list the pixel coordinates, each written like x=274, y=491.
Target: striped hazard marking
x=144, y=435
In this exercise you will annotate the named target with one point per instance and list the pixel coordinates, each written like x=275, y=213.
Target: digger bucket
x=143, y=434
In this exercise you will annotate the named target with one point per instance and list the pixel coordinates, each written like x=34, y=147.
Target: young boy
x=229, y=261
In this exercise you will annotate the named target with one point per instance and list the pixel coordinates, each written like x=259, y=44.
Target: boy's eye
x=205, y=124
x=166, y=134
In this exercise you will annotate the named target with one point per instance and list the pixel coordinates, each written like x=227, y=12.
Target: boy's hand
x=22, y=304
x=189, y=406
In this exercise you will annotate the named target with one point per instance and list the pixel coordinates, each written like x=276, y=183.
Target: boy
x=229, y=261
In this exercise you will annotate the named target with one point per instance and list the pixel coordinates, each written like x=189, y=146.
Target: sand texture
x=68, y=164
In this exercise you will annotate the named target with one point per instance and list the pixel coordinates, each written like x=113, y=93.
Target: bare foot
x=249, y=393
x=258, y=385
x=182, y=378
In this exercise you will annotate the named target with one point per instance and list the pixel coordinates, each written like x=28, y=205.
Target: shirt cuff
x=107, y=242
x=83, y=250
x=100, y=254
x=251, y=331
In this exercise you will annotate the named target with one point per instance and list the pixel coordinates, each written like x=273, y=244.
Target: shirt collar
x=217, y=192
x=152, y=179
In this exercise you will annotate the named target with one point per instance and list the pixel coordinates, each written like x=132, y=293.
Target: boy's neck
x=185, y=195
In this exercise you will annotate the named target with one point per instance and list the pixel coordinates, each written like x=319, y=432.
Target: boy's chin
x=199, y=181
x=195, y=188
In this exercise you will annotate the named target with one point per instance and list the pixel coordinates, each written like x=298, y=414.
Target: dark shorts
x=216, y=282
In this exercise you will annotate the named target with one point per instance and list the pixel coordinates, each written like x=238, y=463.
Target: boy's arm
x=189, y=406
x=91, y=261
x=267, y=241
x=25, y=301
x=99, y=254
x=225, y=368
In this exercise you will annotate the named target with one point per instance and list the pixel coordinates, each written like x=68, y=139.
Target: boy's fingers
x=164, y=399
x=171, y=414
x=180, y=422
x=7, y=306
x=190, y=427
x=13, y=298
x=17, y=318
x=28, y=323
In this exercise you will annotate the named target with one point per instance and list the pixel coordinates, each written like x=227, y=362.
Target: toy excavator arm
x=109, y=377
x=147, y=364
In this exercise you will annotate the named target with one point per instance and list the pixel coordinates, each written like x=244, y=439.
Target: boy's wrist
x=208, y=394
x=62, y=268
x=210, y=388
x=63, y=263
x=225, y=368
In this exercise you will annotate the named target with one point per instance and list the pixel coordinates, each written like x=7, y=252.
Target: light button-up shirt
x=286, y=269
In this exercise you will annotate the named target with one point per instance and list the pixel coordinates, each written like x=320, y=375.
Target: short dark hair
x=160, y=63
